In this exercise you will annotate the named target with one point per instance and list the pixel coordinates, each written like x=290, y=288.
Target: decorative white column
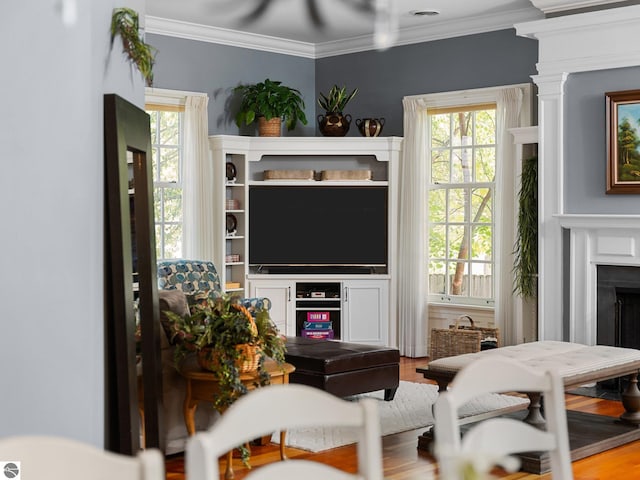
x=573, y=43
x=550, y=203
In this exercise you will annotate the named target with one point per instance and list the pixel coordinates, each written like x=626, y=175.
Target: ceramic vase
x=334, y=124
x=370, y=127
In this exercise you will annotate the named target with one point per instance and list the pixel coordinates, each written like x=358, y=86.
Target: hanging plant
x=526, y=249
x=124, y=22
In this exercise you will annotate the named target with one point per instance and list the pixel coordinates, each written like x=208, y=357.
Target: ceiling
x=347, y=25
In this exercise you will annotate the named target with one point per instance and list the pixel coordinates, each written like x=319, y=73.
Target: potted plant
x=124, y=22
x=229, y=341
x=333, y=123
x=270, y=101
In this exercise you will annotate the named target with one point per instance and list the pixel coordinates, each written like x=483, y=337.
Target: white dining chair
x=57, y=458
x=284, y=407
x=497, y=438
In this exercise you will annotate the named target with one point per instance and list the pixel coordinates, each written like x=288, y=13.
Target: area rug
x=409, y=410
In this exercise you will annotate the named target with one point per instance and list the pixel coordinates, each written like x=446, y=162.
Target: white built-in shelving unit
x=362, y=305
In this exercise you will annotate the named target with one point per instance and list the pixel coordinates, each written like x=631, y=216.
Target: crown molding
x=438, y=31
x=407, y=36
x=224, y=36
x=555, y=6
x=585, y=41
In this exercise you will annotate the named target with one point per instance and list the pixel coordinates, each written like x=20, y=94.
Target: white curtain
x=197, y=170
x=412, y=258
x=509, y=103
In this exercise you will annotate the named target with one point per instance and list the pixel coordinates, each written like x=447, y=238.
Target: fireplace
x=618, y=313
x=595, y=244
x=618, y=320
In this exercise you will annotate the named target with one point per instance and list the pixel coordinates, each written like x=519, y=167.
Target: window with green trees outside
x=166, y=143
x=461, y=204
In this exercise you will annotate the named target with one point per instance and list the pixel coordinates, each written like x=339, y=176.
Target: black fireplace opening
x=618, y=321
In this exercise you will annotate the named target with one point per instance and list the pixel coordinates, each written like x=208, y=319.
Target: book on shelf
x=317, y=316
x=318, y=325
x=317, y=334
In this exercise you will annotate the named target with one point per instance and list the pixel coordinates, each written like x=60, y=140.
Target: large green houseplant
x=225, y=335
x=270, y=99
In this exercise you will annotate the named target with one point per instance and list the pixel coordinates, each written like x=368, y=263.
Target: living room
x=53, y=175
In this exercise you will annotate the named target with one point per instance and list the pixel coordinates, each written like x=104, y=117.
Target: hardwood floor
x=403, y=461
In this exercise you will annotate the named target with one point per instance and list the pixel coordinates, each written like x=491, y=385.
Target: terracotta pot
x=370, y=127
x=334, y=124
x=270, y=128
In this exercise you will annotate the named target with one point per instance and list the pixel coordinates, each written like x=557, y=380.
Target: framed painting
x=623, y=141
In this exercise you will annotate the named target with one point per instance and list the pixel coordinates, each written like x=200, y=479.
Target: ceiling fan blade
x=366, y=6
x=256, y=13
x=314, y=14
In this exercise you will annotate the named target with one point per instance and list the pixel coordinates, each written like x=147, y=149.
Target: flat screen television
x=318, y=226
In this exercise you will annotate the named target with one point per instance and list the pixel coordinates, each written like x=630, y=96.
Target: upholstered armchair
x=198, y=277
x=178, y=279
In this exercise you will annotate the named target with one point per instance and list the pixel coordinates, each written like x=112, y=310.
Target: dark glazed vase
x=334, y=124
x=370, y=127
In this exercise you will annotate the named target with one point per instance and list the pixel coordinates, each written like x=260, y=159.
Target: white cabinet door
x=282, y=307
x=365, y=311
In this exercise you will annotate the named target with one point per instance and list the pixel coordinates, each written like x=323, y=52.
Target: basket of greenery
x=229, y=341
x=270, y=102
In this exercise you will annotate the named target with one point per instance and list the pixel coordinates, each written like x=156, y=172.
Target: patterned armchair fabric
x=198, y=277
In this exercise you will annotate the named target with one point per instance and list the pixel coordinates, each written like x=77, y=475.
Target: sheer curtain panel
x=412, y=237
x=198, y=208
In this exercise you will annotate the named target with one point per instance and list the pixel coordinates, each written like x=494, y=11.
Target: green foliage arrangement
x=124, y=22
x=336, y=100
x=221, y=325
x=270, y=99
x=526, y=248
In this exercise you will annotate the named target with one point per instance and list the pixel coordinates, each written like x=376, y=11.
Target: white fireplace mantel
x=595, y=240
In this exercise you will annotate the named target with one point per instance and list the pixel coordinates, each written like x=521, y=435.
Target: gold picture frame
x=623, y=141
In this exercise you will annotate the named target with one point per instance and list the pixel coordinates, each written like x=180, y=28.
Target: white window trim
x=464, y=98
x=173, y=98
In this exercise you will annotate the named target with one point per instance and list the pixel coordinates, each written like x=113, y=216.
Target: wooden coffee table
x=202, y=386
x=577, y=365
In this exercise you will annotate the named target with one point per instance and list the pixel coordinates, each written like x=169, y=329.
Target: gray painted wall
x=52, y=207
x=215, y=69
x=384, y=78
x=585, y=142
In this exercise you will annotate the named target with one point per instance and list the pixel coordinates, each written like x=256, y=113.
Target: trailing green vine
x=124, y=22
x=526, y=249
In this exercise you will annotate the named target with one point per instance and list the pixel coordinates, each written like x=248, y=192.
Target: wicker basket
x=209, y=359
x=459, y=339
x=269, y=128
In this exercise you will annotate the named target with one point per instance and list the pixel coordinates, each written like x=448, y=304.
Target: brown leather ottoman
x=343, y=368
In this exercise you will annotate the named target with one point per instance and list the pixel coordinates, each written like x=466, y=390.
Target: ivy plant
x=526, y=248
x=124, y=22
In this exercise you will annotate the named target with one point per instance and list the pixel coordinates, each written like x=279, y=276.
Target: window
x=166, y=143
x=461, y=204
